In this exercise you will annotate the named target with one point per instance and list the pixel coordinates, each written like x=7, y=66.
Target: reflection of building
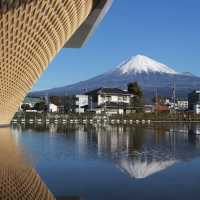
x=18, y=179
x=32, y=33
x=136, y=151
x=194, y=129
x=140, y=153
x=194, y=101
x=110, y=101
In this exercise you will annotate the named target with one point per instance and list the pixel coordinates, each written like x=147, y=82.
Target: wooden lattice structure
x=31, y=33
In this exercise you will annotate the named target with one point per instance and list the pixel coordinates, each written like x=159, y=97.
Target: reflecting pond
x=115, y=162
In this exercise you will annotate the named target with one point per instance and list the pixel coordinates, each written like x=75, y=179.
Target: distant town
x=114, y=102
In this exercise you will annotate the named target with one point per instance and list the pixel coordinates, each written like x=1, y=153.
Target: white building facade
x=194, y=101
x=81, y=103
x=110, y=101
x=53, y=108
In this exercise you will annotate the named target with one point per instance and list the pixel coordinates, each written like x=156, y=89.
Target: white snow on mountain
x=141, y=64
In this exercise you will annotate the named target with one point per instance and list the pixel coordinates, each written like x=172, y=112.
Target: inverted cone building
x=31, y=33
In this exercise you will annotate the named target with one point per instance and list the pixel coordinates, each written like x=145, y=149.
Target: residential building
x=53, y=108
x=148, y=108
x=30, y=101
x=109, y=101
x=81, y=103
x=194, y=101
x=182, y=104
x=162, y=104
x=32, y=34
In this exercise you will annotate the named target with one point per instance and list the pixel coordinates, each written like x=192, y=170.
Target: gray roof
x=32, y=100
x=109, y=91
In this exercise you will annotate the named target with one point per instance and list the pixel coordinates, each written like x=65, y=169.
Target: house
x=194, y=101
x=81, y=102
x=162, y=104
x=148, y=108
x=161, y=108
x=180, y=104
x=53, y=108
x=30, y=101
x=109, y=101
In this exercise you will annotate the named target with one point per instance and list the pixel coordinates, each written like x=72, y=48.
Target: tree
x=137, y=100
x=55, y=100
x=25, y=107
x=40, y=106
x=69, y=103
x=135, y=89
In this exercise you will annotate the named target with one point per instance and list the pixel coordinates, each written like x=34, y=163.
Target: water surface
x=116, y=162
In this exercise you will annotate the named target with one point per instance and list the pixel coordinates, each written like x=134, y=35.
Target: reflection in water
x=136, y=151
x=18, y=180
x=143, y=169
x=151, y=150
x=97, y=162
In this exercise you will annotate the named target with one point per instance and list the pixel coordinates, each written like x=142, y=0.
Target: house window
x=108, y=98
x=120, y=98
x=124, y=98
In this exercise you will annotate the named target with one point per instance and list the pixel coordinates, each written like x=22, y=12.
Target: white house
x=81, y=102
x=109, y=101
x=53, y=108
x=196, y=109
x=182, y=104
x=179, y=104
x=30, y=101
x=194, y=101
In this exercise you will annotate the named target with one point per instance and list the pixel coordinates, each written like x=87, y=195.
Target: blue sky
x=166, y=30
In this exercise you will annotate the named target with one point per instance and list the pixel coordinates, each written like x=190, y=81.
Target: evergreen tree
x=138, y=97
x=25, y=107
x=135, y=89
x=40, y=106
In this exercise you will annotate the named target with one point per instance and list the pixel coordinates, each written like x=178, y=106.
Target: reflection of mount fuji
x=142, y=169
x=138, y=152
x=141, y=152
x=160, y=151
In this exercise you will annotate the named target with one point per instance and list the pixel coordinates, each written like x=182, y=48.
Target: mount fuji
x=150, y=74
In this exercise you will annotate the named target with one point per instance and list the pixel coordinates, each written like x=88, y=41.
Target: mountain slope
x=149, y=73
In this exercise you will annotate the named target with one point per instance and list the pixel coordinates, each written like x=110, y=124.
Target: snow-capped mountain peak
x=141, y=63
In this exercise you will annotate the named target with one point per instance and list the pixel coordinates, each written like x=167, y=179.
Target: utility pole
x=91, y=103
x=156, y=102
x=174, y=95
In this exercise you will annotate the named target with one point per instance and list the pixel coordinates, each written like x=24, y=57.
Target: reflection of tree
x=159, y=133
x=136, y=138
